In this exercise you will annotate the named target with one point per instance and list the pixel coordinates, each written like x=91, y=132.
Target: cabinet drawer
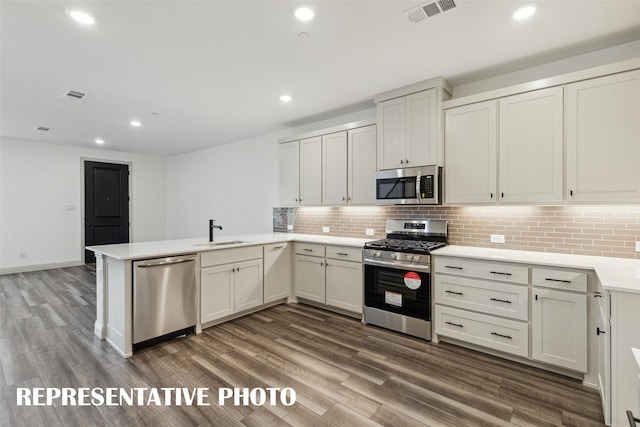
x=499, y=299
x=344, y=253
x=482, y=269
x=488, y=331
x=559, y=279
x=309, y=249
x=228, y=256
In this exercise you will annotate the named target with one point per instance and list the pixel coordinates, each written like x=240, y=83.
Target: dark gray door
x=106, y=205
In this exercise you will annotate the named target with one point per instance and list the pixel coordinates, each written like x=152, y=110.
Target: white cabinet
x=361, y=158
x=603, y=337
x=277, y=272
x=216, y=293
x=334, y=168
x=311, y=171
x=290, y=173
x=530, y=147
x=470, y=157
x=330, y=275
x=603, y=130
x=407, y=130
x=310, y=278
x=508, y=151
x=231, y=281
x=559, y=328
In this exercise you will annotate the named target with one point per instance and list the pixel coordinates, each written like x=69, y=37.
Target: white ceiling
x=213, y=70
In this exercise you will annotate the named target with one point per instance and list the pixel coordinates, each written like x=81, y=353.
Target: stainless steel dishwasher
x=164, y=298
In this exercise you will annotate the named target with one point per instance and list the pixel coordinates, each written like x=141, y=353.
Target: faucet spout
x=211, y=227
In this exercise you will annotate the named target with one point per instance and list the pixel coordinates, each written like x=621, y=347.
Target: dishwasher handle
x=167, y=261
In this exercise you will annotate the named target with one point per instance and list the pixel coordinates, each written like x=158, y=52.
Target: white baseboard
x=38, y=267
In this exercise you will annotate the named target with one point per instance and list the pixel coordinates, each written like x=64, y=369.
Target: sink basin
x=223, y=243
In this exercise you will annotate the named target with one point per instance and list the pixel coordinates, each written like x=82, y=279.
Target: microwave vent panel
x=431, y=9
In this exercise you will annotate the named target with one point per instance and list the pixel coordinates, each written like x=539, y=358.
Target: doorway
x=106, y=205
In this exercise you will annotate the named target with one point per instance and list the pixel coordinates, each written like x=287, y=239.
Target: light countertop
x=144, y=250
x=615, y=274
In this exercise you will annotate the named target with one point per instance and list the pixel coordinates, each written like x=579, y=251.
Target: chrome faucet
x=211, y=227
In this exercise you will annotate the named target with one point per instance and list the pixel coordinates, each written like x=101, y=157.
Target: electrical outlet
x=637, y=246
x=497, y=238
x=369, y=231
x=22, y=255
x=290, y=227
x=325, y=229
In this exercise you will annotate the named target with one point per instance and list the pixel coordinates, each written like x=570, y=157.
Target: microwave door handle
x=418, y=194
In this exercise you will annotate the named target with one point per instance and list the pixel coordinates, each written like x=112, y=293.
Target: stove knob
x=394, y=256
x=378, y=254
x=416, y=257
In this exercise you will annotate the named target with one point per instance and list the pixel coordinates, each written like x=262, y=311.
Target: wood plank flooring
x=344, y=373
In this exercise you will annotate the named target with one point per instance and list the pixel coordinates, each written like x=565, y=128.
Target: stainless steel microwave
x=409, y=186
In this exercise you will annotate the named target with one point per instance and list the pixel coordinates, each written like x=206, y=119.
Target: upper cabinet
x=507, y=150
x=603, y=139
x=407, y=133
x=332, y=169
x=471, y=142
x=530, y=147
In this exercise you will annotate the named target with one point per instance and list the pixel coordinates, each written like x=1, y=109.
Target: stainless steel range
x=397, y=284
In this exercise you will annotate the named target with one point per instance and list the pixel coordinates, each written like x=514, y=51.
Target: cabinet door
x=361, y=157
x=311, y=171
x=248, y=285
x=216, y=292
x=603, y=337
x=334, y=169
x=559, y=328
x=309, y=278
x=470, y=153
x=289, y=173
x=420, y=128
x=277, y=272
x=390, y=118
x=344, y=285
x=603, y=130
x=530, y=150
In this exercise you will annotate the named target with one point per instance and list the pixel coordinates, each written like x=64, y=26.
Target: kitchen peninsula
x=114, y=275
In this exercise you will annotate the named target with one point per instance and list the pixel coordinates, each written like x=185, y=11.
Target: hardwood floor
x=344, y=373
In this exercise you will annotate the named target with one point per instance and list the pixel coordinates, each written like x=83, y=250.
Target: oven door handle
x=398, y=265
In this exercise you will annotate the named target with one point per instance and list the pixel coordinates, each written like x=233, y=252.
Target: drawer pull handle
x=597, y=295
x=599, y=331
x=502, y=336
x=455, y=268
x=454, y=324
x=501, y=300
x=557, y=280
x=500, y=273
x=275, y=248
x=453, y=292
x=342, y=253
x=307, y=250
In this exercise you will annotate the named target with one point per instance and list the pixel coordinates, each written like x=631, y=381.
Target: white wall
x=237, y=184
x=37, y=182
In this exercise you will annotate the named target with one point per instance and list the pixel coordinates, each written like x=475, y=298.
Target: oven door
x=403, y=290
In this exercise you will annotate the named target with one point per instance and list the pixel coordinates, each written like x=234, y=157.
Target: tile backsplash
x=585, y=230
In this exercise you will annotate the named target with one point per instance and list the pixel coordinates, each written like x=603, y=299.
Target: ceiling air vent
x=74, y=95
x=428, y=10
x=43, y=129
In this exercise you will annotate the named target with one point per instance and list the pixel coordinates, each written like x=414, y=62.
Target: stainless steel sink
x=223, y=243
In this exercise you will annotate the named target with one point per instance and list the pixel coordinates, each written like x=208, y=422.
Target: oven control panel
x=399, y=258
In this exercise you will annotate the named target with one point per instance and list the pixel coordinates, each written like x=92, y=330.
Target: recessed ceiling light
x=135, y=123
x=81, y=17
x=285, y=98
x=99, y=141
x=304, y=13
x=523, y=12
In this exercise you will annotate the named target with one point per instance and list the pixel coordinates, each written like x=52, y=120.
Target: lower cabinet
x=559, y=328
x=330, y=275
x=530, y=311
x=277, y=272
x=231, y=281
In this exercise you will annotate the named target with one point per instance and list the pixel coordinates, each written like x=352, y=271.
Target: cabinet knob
x=491, y=195
x=599, y=331
x=401, y=161
x=502, y=195
x=406, y=161
x=343, y=199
